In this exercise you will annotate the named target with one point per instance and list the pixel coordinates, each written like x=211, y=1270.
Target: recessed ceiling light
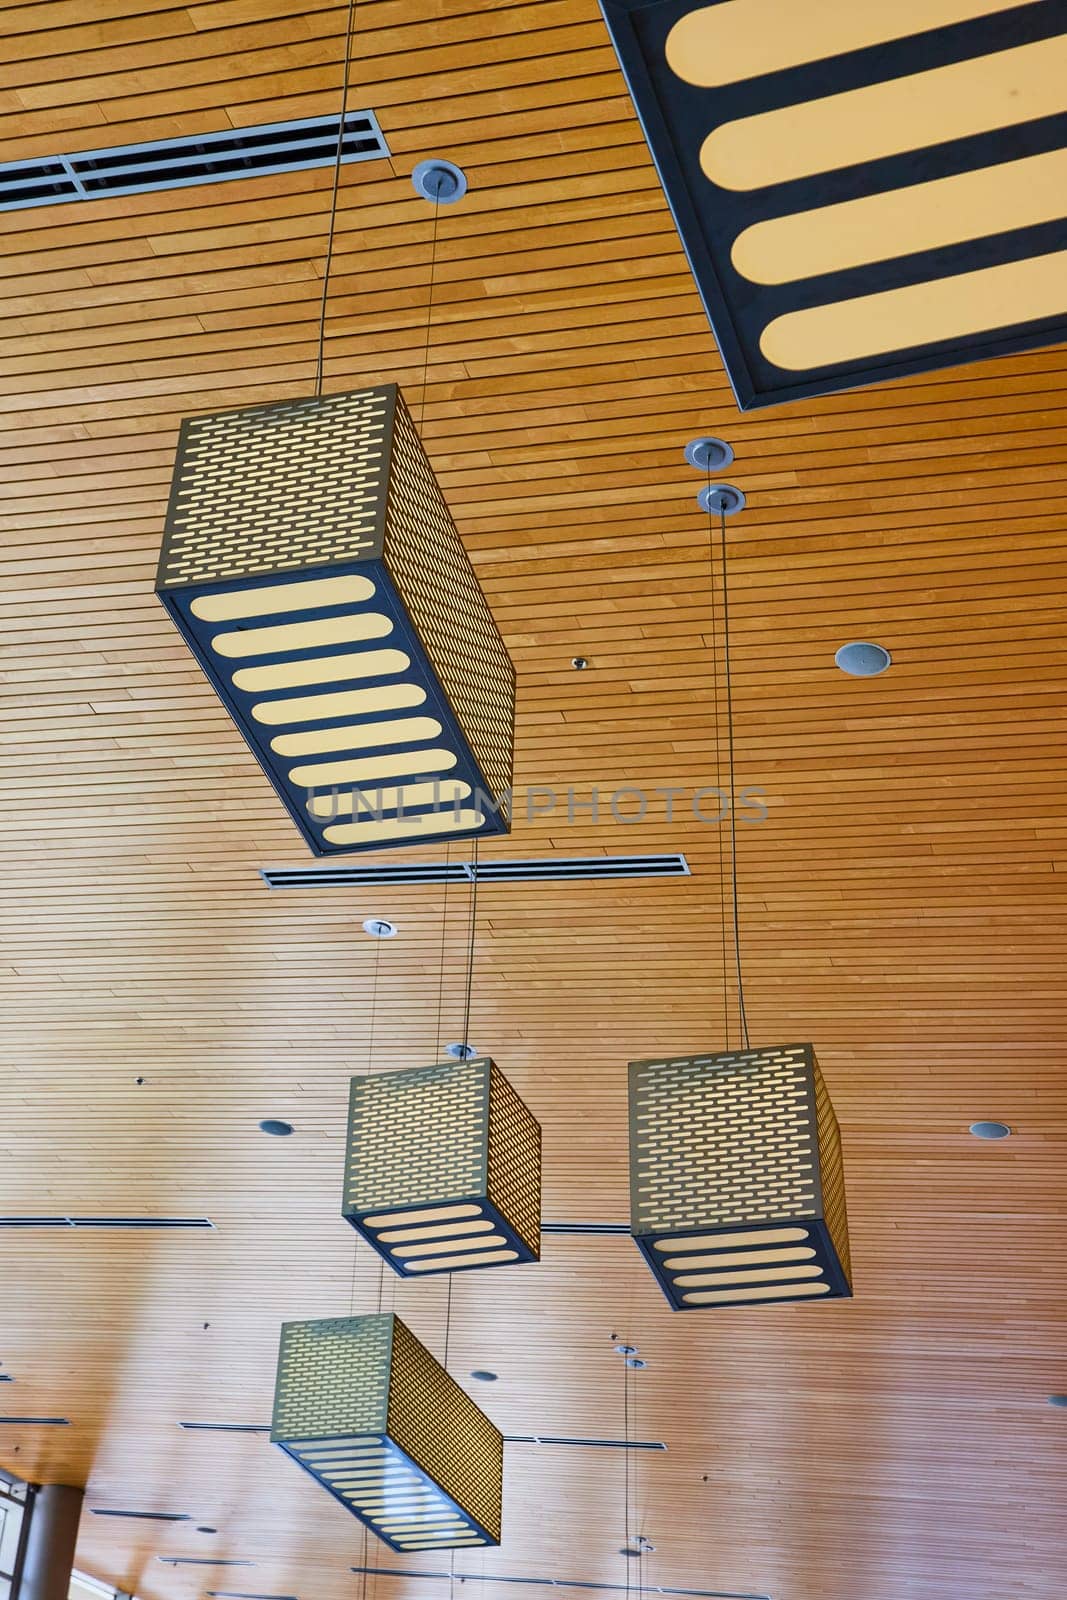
x=1058, y=1400
x=721, y=499
x=378, y=928
x=990, y=1130
x=579, y=663
x=626, y=1349
x=460, y=1052
x=440, y=181
x=636, y=1363
x=861, y=659
x=483, y=1376
x=280, y=1130
x=708, y=454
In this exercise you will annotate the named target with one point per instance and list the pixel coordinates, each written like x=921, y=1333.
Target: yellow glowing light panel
x=365, y=1408
x=312, y=566
x=864, y=190
x=737, y=1192
x=443, y=1168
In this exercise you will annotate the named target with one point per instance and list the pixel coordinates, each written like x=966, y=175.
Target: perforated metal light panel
x=365, y=1408
x=443, y=1168
x=736, y=1182
x=312, y=566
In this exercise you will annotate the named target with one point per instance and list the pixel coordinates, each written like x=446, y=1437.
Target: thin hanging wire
x=444, y=940
x=319, y=365
x=448, y=1320
x=742, y=1018
x=470, y=945
x=429, y=316
x=626, y=1468
x=718, y=775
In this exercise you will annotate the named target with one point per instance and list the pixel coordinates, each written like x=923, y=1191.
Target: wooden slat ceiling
x=903, y=906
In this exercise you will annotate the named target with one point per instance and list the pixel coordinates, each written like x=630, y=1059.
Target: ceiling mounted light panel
x=312, y=566
x=364, y=1408
x=736, y=1183
x=863, y=191
x=443, y=1168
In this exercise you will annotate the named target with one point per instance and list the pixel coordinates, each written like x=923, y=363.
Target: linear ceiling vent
x=145, y=1516
x=106, y=1222
x=550, y=869
x=178, y=163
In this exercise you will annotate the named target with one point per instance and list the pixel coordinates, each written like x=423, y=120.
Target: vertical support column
x=53, y=1533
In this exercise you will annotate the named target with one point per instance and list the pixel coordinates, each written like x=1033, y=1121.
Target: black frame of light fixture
x=676, y=117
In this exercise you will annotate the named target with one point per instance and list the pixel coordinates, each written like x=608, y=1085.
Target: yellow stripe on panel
x=753, y=1275
x=370, y=769
x=288, y=636
x=746, y=38
x=274, y=597
x=707, y=1297
x=376, y=800
x=443, y=1247
x=449, y=1231
x=919, y=314
x=446, y=1263
x=739, y=1258
x=321, y=741
x=371, y=832
x=296, y=674
x=346, y=703
x=900, y=222
x=888, y=119
x=725, y=1241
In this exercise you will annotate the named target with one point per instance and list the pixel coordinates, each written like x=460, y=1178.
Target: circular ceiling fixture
x=460, y=1052
x=626, y=1349
x=579, y=663
x=378, y=928
x=990, y=1130
x=1058, y=1400
x=721, y=498
x=709, y=454
x=861, y=659
x=280, y=1130
x=440, y=181
x=483, y=1375
x=636, y=1363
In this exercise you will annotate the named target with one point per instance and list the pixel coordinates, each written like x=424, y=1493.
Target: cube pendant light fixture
x=312, y=566
x=365, y=1408
x=443, y=1168
x=736, y=1183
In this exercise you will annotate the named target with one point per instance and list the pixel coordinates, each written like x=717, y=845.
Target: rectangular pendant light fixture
x=737, y=1191
x=312, y=566
x=443, y=1168
x=365, y=1408
x=863, y=190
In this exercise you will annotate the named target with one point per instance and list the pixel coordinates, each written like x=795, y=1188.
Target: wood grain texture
x=903, y=906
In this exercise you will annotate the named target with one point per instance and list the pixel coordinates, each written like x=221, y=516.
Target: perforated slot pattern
x=333, y=1378
x=514, y=1161
x=722, y=1139
x=433, y=575
x=272, y=488
x=832, y=1174
x=416, y=1137
x=441, y=1429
